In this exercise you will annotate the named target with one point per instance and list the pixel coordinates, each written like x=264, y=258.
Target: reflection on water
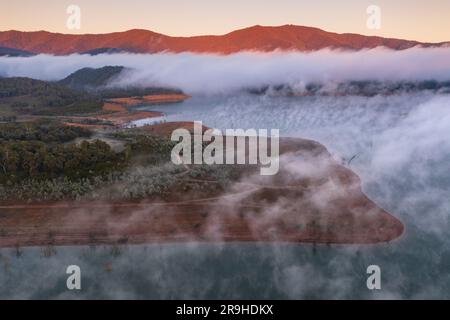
x=401, y=145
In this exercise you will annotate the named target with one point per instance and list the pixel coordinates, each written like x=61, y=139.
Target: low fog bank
x=213, y=74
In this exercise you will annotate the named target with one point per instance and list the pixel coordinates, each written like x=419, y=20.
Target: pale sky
x=422, y=20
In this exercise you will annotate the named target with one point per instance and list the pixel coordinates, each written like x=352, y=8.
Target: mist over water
x=402, y=148
x=399, y=146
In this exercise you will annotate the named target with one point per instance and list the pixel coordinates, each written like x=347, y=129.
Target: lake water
x=402, y=149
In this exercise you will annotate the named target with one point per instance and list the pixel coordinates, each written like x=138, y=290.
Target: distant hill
x=94, y=81
x=90, y=78
x=256, y=38
x=14, y=52
x=30, y=96
x=98, y=51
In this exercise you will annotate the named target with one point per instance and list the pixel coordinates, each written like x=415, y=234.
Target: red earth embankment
x=312, y=199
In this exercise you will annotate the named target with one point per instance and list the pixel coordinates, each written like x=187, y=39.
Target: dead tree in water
x=18, y=251
x=353, y=158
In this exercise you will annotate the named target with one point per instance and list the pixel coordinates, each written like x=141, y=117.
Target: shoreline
x=237, y=230
x=118, y=112
x=242, y=216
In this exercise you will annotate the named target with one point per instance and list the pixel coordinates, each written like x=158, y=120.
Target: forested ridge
x=45, y=131
x=36, y=97
x=44, y=151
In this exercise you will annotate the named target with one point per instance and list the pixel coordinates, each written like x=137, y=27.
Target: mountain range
x=256, y=38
